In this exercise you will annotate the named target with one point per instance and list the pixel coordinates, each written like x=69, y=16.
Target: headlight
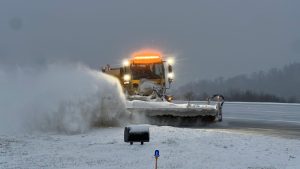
x=171, y=75
x=125, y=63
x=127, y=77
x=171, y=61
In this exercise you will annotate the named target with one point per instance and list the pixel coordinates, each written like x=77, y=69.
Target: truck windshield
x=147, y=71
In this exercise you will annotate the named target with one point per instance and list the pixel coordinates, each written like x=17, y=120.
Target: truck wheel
x=142, y=143
x=131, y=143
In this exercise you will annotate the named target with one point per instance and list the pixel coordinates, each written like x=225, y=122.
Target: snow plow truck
x=146, y=77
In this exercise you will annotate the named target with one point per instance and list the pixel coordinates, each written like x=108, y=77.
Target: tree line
x=275, y=85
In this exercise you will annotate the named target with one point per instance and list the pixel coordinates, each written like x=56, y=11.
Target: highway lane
x=273, y=112
x=277, y=119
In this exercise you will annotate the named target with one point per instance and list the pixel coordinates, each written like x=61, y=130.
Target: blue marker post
x=156, y=155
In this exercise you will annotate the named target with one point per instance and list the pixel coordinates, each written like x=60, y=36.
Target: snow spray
x=61, y=98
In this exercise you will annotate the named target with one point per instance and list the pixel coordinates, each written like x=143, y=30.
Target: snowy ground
x=179, y=148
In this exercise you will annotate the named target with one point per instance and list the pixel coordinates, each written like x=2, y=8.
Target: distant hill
x=275, y=85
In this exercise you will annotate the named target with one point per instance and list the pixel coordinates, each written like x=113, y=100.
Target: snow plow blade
x=165, y=113
x=180, y=112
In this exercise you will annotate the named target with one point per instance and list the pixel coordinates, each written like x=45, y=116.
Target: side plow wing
x=165, y=113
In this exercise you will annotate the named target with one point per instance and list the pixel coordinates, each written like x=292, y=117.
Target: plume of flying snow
x=62, y=98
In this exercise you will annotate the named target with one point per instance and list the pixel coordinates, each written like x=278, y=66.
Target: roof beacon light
x=146, y=57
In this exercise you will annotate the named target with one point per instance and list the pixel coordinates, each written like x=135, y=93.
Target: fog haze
x=208, y=38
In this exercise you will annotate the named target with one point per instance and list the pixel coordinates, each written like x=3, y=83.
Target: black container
x=136, y=133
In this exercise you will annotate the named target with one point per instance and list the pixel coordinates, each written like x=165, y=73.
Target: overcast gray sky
x=209, y=38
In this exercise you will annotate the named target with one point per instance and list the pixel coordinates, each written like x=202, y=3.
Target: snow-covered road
x=179, y=148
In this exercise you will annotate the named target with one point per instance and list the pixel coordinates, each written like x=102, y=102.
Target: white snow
x=138, y=128
x=180, y=148
x=60, y=97
x=146, y=86
x=165, y=105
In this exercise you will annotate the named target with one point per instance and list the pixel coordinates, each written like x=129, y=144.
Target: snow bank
x=65, y=98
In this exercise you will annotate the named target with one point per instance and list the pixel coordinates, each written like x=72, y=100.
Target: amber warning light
x=144, y=58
